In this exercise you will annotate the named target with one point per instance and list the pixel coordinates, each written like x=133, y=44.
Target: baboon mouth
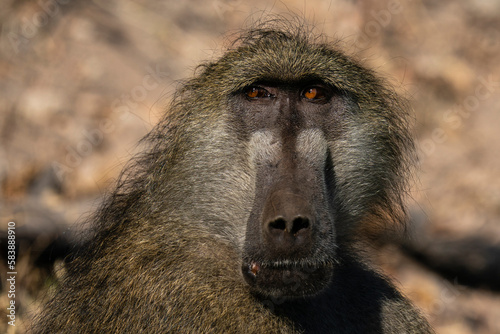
x=286, y=278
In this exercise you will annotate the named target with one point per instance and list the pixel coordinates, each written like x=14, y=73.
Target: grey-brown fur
x=167, y=247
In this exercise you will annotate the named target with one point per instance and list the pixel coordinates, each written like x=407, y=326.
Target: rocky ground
x=82, y=81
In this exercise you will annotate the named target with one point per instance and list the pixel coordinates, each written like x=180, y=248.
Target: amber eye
x=256, y=92
x=314, y=93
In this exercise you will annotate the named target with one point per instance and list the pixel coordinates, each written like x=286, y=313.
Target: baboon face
x=290, y=237
x=295, y=144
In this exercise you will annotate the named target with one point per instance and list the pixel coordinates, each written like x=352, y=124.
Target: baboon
x=243, y=214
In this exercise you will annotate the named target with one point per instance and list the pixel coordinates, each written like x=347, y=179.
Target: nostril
x=278, y=224
x=293, y=227
x=299, y=223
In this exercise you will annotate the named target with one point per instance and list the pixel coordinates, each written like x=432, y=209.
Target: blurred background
x=82, y=81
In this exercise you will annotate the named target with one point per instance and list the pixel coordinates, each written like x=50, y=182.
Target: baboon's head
x=285, y=146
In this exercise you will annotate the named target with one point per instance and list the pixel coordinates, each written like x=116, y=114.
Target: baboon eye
x=254, y=92
x=314, y=93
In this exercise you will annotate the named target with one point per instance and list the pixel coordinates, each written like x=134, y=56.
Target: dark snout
x=289, y=246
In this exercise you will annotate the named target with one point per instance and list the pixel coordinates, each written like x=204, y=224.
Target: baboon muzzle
x=290, y=228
